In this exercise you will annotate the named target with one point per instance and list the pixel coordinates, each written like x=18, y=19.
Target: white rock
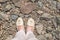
x=39, y=28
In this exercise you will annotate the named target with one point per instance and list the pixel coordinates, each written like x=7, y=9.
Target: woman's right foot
x=30, y=24
x=20, y=24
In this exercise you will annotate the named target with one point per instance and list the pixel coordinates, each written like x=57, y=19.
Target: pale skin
x=29, y=28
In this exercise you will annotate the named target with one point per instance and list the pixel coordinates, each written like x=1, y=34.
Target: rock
x=58, y=20
x=26, y=16
x=58, y=5
x=39, y=28
x=46, y=15
x=8, y=7
x=15, y=11
x=53, y=5
x=3, y=0
x=16, y=4
x=1, y=17
x=21, y=15
x=40, y=12
x=54, y=21
x=41, y=37
x=40, y=4
x=15, y=1
x=28, y=7
x=58, y=28
x=49, y=29
x=49, y=36
x=25, y=7
x=20, y=2
x=58, y=0
x=33, y=1
x=56, y=33
x=0, y=6
x=36, y=17
x=9, y=37
x=13, y=17
x=5, y=16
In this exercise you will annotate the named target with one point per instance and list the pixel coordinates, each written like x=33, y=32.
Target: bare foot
x=20, y=24
x=30, y=24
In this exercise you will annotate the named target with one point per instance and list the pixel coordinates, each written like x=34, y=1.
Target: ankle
x=30, y=28
x=20, y=28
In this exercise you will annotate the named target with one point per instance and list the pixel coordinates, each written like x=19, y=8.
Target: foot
x=19, y=24
x=30, y=24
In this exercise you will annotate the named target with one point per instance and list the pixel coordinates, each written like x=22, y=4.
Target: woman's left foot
x=20, y=24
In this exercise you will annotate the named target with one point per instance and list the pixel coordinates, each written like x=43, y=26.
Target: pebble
x=8, y=7
x=14, y=17
x=41, y=37
x=33, y=1
x=3, y=0
x=5, y=16
x=46, y=15
x=48, y=35
x=40, y=4
x=39, y=28
x=40, y=12
x=9, y=37
x=58, y=5
x=58, y=20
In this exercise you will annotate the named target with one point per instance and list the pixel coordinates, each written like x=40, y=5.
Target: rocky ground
x=46, y=14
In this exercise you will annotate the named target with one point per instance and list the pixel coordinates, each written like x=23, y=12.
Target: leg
x=20, y=35
x=30, y=36
x=30, y=29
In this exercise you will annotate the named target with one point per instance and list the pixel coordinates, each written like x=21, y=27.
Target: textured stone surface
x=3, y=0
x=46, y=14
x=39, y=28
x=28, y=7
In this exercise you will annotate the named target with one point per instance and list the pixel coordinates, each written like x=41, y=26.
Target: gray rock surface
x=3, y=0
x=46, y=14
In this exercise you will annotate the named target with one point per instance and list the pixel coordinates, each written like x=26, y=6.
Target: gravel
x=44, y=12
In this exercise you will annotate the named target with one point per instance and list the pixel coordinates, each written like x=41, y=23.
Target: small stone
x=58, y=28
x=33, y=0
x=28, y=7
x=39, y=11
x=58, y=20
x=26, y=16
x=54, y=4
x=46, y=15
x=3, y=0
x=58, y=0
x=20, y=2
x=54, y=21
x=40, y=4
x=58, y=5
x=14, y=17
x=49, y=36
x=49, y=29
x=15, y=1
x=41, y=37
x=15, y=11
x=9, y=37
x=39, y=28
x=5, y=16
x=1, y=17
x=8, y=7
